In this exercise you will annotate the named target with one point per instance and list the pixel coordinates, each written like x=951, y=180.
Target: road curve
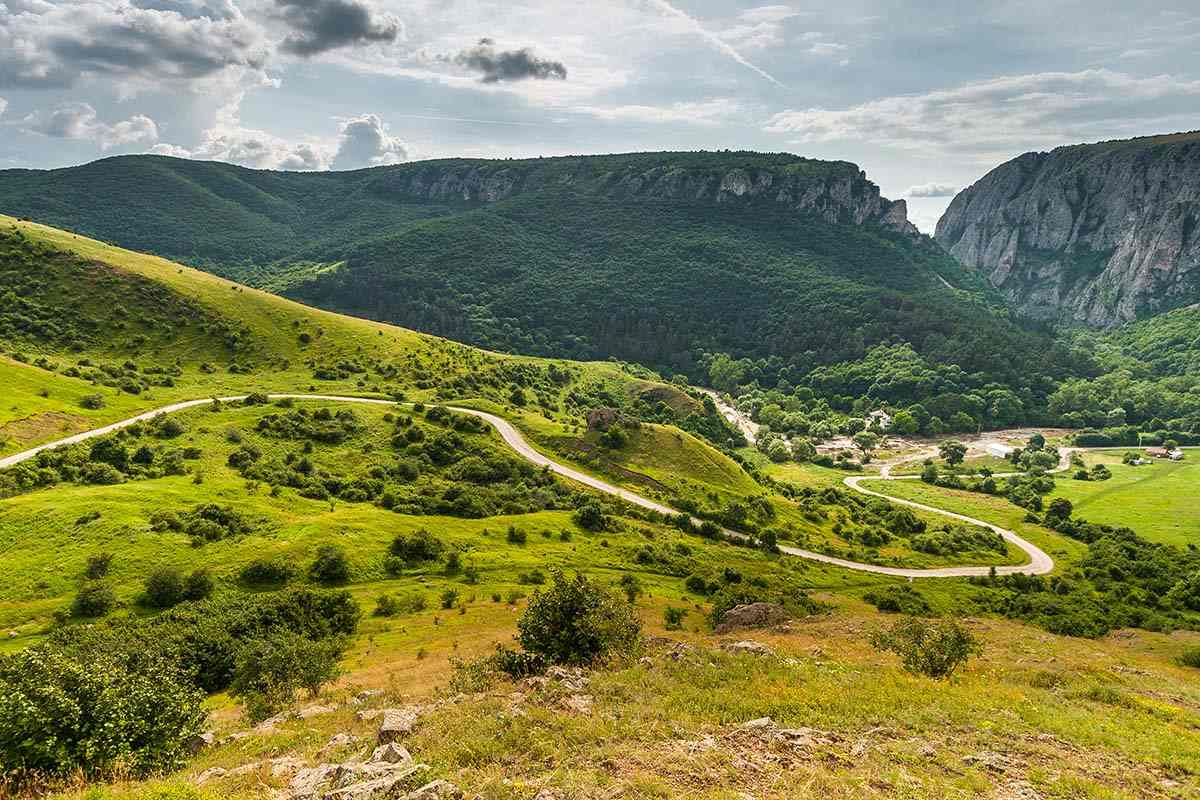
x=1039, y=562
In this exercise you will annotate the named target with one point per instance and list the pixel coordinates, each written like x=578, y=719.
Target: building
x=1162, y=452
x=998, y=449
x=879, y=419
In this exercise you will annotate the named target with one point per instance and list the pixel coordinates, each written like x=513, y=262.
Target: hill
x=661, y=258
x=212, y=566
x=1099, y=234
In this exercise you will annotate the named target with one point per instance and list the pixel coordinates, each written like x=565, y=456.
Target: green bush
x=98, y=565
x=935, y=649
x=94, y=599
x=267, y=572
x=64, y=712
x=330, y=566
x=673, y=618
x=901, y=599
x=271, y=670
x=1190, y=657
x=591, y=517
x=164, y=588
x=416, y=547
x=577, y=621
x=198, y=585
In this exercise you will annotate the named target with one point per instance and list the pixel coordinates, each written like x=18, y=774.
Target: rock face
x=1099, y=234
x=752, y=615
x=836, y=191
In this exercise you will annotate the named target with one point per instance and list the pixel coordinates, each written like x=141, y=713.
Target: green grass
x=1160, y=501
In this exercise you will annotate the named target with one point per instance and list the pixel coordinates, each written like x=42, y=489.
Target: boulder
x=389, y=785
x=436, y=790
x=752, y=615
x=750, y=647
x=391, y=753
x=338, y=740
x=398, y=723
x=201, y=741
x=212, y=773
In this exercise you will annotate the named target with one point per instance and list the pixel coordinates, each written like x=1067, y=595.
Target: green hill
x=659, y=258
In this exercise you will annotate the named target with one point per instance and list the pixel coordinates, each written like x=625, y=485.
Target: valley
x=196, y=474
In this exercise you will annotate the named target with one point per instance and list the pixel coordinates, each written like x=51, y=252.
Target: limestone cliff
x=1100, y=233
x=836, y=191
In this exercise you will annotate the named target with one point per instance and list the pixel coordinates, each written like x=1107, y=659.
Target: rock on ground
x=752, y=615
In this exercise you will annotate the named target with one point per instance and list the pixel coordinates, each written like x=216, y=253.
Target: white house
x=878, y=419
x=998, y=449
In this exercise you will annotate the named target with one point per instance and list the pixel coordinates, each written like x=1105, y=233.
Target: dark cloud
x=54, y=46
x=508, y=65
x=322, y=25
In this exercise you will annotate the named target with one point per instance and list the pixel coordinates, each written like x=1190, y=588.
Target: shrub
x=98, y=565
x=902, y=599
x=576, y=621
x=198, y=585
x=271, y=670
x=93, y=712
x=591, y=517
x=164, y=587
x=386, y=605
x=95, y=599
x=1190, y=658
x=449, y=598
x=935, y=649
x=266, y=571
x=515, y=535
x=92, y=401
x=330, y=566
x=673, y=618
x=416, y=547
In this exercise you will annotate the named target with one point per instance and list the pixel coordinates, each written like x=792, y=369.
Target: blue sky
x=924, y=96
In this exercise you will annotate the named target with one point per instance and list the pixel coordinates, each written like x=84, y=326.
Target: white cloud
x=826, y=49
x=3, y=106
x=80, y=121
x=694, y=26
x=758, y=28
x=933, y=189
x=1003, y=115
x=364, y=141
x=228, y=140
x=707, y=112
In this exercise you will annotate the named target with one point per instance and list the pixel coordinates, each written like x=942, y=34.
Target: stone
x=309, y=782
x=436, y=790
x=337, y=741
x=201, y=741
x=990, y=760
x=314, y=711
x=579, y=703
x=398, y=723
x=747, y=646
x=752, y=615
x=391, y=753
x=367, y=714
x=210, y=774
x=365, y=695
x=390, y=785
x=547, y=794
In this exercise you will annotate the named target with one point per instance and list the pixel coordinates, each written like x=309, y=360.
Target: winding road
x=1039, y=562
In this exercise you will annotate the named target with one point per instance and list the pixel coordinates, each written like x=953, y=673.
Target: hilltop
x=667, y=259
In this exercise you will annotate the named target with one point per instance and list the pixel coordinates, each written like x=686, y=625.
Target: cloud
x=228, y=140
x=508, y=65
x=79, y=121
x=45, y=45
x=708, y=112
x=1004, y=115
x=694, y=26
x=322, y=25
x=758, y=28
x=932, y=190
x=364, y=142
x=3, y=105
x=826, y=49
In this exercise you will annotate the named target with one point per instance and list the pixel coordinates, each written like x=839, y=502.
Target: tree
x=952, y=451
x=866, y=441
x=1037, y=442
x=725, y=374
x=271, y=670
x=632, y=587
x=930, y=473
x=905, y=423
x=1060, y=508
x=935, y=649
x=576, y=621
x=94, y=599
x=164, y=587
x=330, y=566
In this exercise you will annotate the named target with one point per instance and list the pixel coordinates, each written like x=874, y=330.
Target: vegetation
x=576, y=621
x=935, y=649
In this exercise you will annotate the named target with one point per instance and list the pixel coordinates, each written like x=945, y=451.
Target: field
x=1161, y=501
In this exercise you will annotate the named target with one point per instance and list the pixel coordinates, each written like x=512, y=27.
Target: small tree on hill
x=935, y=649
x=953, y=451
x=577, y=621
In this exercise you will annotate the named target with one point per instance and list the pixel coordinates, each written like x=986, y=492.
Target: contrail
x=711, y=38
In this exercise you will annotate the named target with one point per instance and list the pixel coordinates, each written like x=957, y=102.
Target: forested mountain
x=1100, y=234
x=784, y=262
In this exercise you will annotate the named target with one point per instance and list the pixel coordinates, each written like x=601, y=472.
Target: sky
x=925, y=96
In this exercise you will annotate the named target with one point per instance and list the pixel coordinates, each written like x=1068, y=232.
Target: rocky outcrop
x=1099, y=234
x=752, y=615
x=836, y=191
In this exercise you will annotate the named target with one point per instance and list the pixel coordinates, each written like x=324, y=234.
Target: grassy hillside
x=625, y=256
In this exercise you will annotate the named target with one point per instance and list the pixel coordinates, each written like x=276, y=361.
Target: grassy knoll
x=1161, y=501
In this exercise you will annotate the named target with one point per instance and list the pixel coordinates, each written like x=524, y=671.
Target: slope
x=662, y=258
